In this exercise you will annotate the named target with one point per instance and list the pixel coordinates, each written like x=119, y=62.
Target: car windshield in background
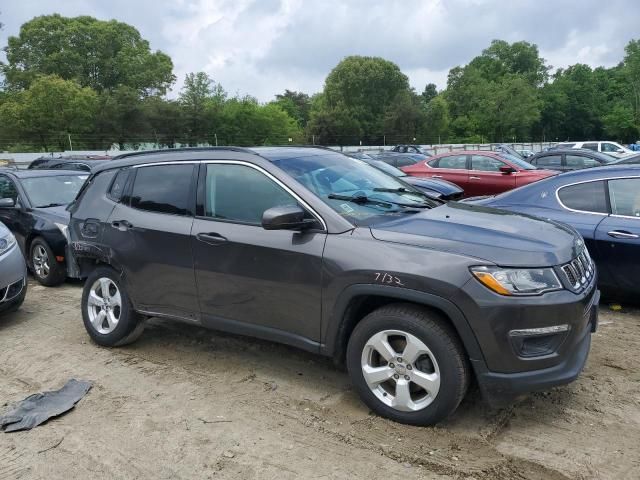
x=52, y=191
x=523, y=164
x=358, y=191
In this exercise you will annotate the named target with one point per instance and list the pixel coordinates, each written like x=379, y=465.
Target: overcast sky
x=261, y=47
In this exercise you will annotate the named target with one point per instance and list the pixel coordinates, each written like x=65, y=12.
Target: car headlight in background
x=517, y=281
x=64, y=229
x=7, y=242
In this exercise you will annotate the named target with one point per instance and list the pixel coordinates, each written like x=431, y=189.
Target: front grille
x=579, y=271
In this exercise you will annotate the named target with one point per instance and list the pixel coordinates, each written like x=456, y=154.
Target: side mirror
x=289, y=217
x=507, y=170
x=7, y=203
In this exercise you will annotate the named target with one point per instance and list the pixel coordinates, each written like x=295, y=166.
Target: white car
x=610, y=148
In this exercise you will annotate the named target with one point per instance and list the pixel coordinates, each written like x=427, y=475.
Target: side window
x=405, y=161
x=241, y=194
x=590, y=146
x=586, y=197
x=609, y=147
x=625, y=196
x=456, y=162
x=7, y=188
x=576, y=161
x=548, y=161
x=117, y=187
x=485, y=164
x=163, y=189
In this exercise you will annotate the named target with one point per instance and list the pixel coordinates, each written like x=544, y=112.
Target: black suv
x=310, y=248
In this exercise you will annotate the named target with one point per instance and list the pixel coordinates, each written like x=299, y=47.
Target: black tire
x=438, y=336
x=57, y=272
x=130, y=324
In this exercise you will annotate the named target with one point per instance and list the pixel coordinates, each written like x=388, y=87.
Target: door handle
x=436, y=176
x=121, y=225
x=622, y=234
x=475, y=178
x=211, y=238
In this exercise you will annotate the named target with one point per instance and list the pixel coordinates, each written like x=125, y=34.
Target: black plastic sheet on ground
x=40, y=407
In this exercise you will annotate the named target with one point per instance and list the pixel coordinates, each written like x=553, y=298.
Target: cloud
x=261, y=47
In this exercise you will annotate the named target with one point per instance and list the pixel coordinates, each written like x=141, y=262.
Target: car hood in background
x=442, y=186
x=53, y=214
x=498, y=236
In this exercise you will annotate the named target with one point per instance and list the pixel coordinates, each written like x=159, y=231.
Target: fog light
x=537, y=342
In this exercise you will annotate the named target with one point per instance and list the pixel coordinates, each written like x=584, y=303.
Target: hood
x=441, y=186
x=501, y=237
x=54, y=214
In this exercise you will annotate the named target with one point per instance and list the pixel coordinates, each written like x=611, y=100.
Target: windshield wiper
x=360, y=199
x=52, y=205
x=400, y=191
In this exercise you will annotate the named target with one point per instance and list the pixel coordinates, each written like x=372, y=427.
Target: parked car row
x=346, y=257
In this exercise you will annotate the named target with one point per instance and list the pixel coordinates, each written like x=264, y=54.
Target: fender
x=336, y=324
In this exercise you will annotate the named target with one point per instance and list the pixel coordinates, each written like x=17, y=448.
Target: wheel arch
x=357, y=301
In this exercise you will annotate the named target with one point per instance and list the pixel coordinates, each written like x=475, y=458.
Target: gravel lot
x=185, y=402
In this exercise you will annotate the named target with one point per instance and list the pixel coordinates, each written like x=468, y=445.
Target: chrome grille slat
x=579, y=271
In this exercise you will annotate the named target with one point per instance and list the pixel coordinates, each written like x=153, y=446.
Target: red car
x=479, y=172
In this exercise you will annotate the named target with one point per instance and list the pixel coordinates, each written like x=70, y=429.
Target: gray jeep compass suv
x=310, y=248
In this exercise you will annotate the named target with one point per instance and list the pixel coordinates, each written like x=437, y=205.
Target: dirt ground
x=184, y=402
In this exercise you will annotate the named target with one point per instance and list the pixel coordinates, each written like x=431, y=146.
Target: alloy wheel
x=400, y=370
x=104, y=305
x=40, y=261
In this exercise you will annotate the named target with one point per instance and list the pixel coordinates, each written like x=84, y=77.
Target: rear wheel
x=46, y=269
x=407, y=364
x=107, y=312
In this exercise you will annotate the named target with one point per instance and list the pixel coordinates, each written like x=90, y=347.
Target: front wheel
x=407, y=364
x=107, y=312
x=46, y=269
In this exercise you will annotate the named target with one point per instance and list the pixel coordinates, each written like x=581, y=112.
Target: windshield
x=523, y=164
x=386, y=168
x=53, y=191
x=366, y=195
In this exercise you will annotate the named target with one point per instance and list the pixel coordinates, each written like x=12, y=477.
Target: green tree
x=436, y=125
x=296, y=104
x=403, y=118
x=49, y=111
x=429, y=93
x=98, y=54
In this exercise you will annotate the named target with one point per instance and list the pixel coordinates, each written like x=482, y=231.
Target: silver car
x=13, y=272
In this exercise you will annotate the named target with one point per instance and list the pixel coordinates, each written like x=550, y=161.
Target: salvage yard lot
x=185, y=402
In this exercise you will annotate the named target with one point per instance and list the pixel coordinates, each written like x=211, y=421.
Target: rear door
x=453, y=168
x=618, y=235
x=485, y=177
x=251, y=280
x=149, y=233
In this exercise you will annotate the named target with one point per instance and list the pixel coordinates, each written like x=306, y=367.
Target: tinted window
x=241, y=194
x=625, y=196
x=458, y=162
x=117, y=187
x=576, y=161
x=7, y=188
x=549, y=161
x=485, y=164
x=586, y=197
x=163, y=189
x=590, y=146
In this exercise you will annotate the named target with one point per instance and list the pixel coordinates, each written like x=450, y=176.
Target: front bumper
x=502, y=388
x=13, y=278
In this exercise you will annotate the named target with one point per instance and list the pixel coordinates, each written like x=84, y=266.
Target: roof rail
x=182, y=149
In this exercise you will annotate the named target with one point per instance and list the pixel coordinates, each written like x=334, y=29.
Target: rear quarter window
x=589, y=197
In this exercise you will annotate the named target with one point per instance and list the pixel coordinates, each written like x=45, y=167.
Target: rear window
x=548, y=161
x=585, y=197
x=163, y=189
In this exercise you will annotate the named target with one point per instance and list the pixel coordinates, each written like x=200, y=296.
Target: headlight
x=517, y=281
x=64, y=229
x=7, y=242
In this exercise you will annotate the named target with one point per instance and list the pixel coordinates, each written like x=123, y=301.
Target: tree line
x=88, y=84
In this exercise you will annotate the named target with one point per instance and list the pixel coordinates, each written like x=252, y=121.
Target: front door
x=250, y=280
x=485, y=177
x=149, y=231
x=14, y=217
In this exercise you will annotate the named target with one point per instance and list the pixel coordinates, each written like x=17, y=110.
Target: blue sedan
x=603, y=204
